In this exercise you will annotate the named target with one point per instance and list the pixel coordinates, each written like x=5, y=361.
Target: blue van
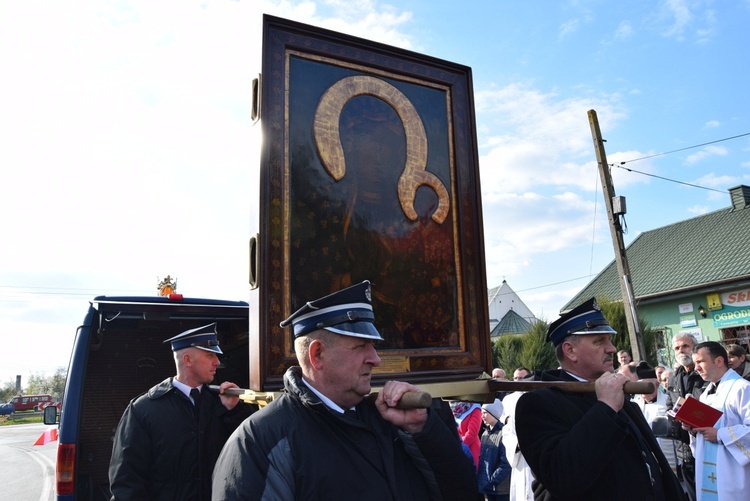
x=118, y=354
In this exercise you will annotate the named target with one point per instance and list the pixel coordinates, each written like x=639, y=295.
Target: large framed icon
x=369, y=171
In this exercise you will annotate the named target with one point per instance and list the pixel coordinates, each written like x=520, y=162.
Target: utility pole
x=623, y=270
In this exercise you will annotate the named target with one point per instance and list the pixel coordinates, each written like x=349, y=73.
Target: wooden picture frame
x=369, y=171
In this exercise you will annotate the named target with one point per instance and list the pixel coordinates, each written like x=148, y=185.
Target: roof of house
x=691, y=254
x=503, y=298
x=511, y=323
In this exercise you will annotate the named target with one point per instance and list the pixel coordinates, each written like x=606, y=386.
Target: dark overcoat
x=581, y=449
x=296, y=447
x=161, y=453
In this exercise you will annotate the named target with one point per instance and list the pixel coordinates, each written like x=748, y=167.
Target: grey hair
x=302, y=343
x=684, y=335
x=572, y=338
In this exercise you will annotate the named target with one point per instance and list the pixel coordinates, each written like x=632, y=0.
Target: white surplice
x=733, y=454
x=521, y=475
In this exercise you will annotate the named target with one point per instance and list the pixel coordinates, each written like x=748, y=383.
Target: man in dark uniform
x=321, y=439
x=168, y=439
x=590, y=446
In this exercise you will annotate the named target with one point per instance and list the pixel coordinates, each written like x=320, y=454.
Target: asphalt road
x=27, y=471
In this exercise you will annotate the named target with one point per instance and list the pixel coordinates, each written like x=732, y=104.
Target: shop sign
x=731, y=316
x=739, y=298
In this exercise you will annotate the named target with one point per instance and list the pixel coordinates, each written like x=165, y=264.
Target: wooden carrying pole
x=631, y=388
x=450, y=391
x=409, y=400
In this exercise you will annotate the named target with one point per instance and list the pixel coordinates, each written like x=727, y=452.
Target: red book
x=695, y=413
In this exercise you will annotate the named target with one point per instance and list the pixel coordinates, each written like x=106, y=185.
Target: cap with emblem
x=582, y=320
x=203, y=338
x=347, y=312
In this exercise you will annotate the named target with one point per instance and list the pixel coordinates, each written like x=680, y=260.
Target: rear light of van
x=66, y=459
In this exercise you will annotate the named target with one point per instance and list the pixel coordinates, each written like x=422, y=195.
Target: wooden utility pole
x=623, y=270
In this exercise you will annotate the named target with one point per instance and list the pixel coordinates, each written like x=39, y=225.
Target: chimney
x=740, y=197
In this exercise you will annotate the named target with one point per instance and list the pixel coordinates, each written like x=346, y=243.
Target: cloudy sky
x=126, y=146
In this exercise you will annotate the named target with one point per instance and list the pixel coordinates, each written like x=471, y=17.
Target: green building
x=692, y=276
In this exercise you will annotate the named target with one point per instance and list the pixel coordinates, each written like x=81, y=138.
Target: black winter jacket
x=298, y=448
x=682, y=383
x=159, y=452
x=581, y=449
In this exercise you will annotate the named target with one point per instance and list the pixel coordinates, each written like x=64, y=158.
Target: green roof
x=512, y=323
x=696, y=253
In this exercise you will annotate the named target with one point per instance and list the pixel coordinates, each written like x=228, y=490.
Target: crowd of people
x=581, y=437
x=658, y=457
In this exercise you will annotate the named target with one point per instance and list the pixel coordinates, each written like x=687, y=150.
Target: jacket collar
x=161, y=389
x=293, y=384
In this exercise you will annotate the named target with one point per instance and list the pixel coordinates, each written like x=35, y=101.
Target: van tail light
x=66, y=460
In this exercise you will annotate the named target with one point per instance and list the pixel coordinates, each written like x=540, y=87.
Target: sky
x=127, y=149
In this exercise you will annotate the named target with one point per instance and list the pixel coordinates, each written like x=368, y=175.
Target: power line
x=56, y=288
x=645, y=174
x=685, y=148
x=64, y=291
x=675, y=151
x=666, y=178
x=28, y=293
x=556, y=283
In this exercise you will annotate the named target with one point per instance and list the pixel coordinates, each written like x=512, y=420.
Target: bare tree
x=54, y=384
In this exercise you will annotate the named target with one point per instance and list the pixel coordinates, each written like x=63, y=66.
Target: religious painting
x=369, y=172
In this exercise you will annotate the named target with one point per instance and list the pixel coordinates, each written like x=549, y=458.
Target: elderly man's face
x=591, y=356
x=348, y=369
x=498, y=374
x=683, y=349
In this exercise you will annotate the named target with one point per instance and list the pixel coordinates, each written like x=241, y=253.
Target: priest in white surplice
x=722, y=452
x=521, y=475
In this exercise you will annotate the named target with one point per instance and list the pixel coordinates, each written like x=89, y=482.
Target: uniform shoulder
x=280, y=414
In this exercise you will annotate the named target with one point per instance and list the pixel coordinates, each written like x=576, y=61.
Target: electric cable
x=667, y=179
x=620, y=164
x=685, y=148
